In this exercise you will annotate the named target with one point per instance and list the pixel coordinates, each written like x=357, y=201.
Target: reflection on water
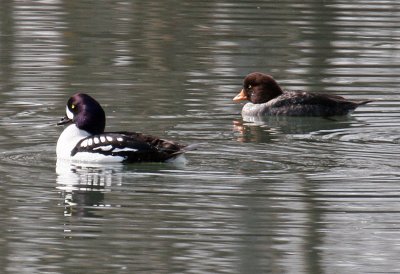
x=269, y=128
x=83, y=187
x=277, y=195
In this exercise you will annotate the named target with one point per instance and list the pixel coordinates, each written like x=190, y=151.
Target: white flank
x=102, y=139
x=120, y=139
x=109, y=138
x=104, y=148
x=96, y=158
x=124, y=149
x=96, y=140
x=90, y=141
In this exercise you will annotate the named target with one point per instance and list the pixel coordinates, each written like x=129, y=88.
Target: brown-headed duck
x=267, y=98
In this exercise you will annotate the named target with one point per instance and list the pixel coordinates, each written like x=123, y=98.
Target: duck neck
x=274, y=90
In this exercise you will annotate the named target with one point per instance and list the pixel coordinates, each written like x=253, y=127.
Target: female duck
x=85, y=139
x=267, y=98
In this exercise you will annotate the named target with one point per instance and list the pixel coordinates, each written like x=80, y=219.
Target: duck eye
x=249, y=86
x=73, y=106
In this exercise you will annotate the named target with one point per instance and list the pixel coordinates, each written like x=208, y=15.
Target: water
x=280, y=195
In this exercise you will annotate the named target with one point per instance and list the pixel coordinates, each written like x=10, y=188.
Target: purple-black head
x=86, y=113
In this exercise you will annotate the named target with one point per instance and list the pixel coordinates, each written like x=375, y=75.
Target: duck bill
x=240, y=97
x=64, y=121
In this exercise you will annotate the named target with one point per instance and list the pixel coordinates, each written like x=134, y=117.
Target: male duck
x=267, y=98
x=85, y=139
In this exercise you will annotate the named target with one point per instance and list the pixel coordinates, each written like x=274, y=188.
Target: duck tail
x=176, y=156
x=191, y=147
x=360, y=103
x=187, y=148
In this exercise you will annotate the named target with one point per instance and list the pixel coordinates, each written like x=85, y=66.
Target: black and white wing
x=132, y=147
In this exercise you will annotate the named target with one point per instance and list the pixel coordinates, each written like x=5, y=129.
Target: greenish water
x=281, y=195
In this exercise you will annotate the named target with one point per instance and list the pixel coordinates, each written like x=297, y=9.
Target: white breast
x=68, y=140
x=250, y=109
x=70, y=137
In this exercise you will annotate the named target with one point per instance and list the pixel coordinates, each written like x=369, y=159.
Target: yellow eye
x=72, y=106
x=249, y=86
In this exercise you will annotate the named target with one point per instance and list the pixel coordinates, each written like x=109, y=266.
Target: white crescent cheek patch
x=70, y=115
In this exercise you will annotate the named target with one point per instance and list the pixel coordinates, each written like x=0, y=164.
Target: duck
x=84, y=139
x=267, y=98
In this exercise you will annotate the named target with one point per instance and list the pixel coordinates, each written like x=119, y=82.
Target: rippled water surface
x=277, y=195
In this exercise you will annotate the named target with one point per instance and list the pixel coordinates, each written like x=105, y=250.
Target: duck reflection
x=266, y=128
x=83, y=187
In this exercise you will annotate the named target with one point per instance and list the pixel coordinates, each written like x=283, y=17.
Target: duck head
x=258, y=88
x=86, y=113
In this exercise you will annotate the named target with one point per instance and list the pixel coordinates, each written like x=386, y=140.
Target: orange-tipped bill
x=240, y=97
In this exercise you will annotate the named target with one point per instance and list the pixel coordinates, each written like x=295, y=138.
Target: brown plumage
x=267, y=98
